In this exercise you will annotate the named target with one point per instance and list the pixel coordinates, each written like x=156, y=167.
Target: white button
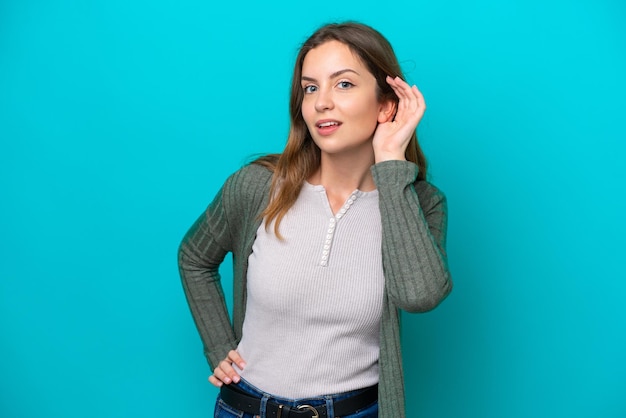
x=324, y=257
x=326, y=247
x=332, y=220
x=324, y=263
x=339, y=215
x=350, y=201
x=325, y=253
x=353, y=197
x=328, y=237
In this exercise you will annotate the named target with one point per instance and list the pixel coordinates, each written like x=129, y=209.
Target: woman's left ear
x=387, y=111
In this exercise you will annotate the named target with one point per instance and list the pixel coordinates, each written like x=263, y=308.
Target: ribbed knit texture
x=413, y=219
x=315, y=299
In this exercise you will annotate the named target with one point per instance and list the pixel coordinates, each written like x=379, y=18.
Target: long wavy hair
x=301, y=156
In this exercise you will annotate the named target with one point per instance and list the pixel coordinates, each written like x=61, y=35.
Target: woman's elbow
x=425, y=301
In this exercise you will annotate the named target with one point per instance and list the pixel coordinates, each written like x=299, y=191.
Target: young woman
x=330, y=239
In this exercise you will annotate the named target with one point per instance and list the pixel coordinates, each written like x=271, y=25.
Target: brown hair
x=301, y=156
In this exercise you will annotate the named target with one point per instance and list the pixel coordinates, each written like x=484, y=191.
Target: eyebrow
x=333, y=75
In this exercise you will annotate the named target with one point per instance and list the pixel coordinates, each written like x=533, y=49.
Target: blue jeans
x=222, y=410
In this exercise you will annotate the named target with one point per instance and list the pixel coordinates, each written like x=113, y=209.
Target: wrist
x=379, y=157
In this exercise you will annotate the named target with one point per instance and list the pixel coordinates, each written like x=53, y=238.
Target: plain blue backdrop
x=120, y=120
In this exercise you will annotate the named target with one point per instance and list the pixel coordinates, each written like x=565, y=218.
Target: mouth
x=327, y=124
x=327, y=127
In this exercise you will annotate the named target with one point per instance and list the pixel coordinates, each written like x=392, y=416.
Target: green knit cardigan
x=413, y=216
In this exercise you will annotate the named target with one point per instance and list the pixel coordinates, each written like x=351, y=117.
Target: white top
x=315, y=299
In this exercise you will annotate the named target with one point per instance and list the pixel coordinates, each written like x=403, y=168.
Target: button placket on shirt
x=332, y=224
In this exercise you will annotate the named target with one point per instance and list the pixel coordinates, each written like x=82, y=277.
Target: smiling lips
x=327, y=127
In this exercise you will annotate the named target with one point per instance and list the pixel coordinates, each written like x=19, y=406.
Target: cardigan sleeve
x=414, y=223
x=200, y=254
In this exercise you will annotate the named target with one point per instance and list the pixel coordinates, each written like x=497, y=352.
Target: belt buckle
x=310, y=408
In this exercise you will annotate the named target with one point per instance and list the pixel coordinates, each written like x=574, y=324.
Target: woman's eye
x=309, y=89
x=345, y=84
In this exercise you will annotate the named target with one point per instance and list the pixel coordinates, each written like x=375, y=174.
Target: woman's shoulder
x=252, y=173
x=252, y=180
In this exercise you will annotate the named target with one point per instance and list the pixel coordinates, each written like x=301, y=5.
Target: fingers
x=421, y=103
x=224, y=373
x=411, y=101
x=234, y=357
x=215, y=381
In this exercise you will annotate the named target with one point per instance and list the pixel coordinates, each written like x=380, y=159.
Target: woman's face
x=340, y=105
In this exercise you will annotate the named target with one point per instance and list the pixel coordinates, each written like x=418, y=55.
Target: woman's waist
x=306, y=371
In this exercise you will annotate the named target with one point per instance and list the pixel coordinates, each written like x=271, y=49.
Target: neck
x=343, y=173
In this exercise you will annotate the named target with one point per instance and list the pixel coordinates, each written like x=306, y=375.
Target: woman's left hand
x=392, y=137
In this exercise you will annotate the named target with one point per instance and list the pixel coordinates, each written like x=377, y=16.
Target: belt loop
x=330, y=410
x=264, y=399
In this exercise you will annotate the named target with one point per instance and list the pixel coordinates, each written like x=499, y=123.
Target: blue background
x=120, y=120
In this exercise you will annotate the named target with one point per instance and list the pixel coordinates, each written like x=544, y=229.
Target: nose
x=323, y=100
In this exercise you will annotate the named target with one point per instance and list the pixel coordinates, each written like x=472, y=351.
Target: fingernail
x=236, y=379
x=242, y=365
x=226, y=380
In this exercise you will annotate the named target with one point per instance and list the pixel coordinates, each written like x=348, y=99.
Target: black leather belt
x=250, y=404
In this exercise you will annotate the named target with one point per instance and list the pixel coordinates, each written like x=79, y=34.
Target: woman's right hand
x=224, y=372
